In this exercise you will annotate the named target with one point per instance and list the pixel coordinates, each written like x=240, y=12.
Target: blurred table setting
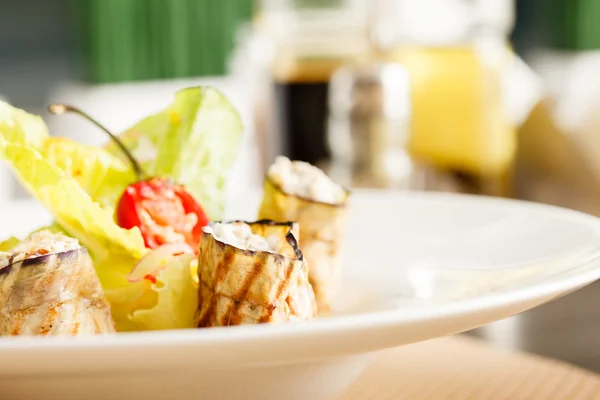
x=446, y=95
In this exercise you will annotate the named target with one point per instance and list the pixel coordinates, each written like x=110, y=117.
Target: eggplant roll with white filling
x=298, y=191
x=48, y=286
x=252, y=273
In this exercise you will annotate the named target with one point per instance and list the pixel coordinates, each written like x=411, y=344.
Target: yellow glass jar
x=456, y=53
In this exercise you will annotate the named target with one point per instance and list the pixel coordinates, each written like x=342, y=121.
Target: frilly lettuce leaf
x=170, y=303
x=176, y=298
x=100, y=174
x=194, y=141
x=126, y=299
x=162, y=293
x=103, y=176
x=20, y=127
x=115, y=250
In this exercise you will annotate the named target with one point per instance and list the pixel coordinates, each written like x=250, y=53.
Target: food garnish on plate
x=140, y=210
x=252, y=273
x=194, y=142
x=164, y=211
x=299, y=191
x=48, y=286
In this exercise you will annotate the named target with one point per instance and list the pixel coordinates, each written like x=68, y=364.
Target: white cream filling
x=239, y=234
x=305, y=180
x=38, y=244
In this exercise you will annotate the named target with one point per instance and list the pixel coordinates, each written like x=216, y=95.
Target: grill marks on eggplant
x=220, y=273
x=240, y=286
x=53, y=294
x=280, y=289
x=234, y=317
x=321, y=234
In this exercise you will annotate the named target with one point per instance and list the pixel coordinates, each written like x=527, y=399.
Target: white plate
x=418, y=266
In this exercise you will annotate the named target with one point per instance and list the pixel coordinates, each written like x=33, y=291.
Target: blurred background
x=493, y=97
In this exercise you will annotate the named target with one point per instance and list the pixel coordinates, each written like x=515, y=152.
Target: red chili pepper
x=164, y=212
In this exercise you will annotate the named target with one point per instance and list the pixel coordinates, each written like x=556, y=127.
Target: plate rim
x=335, y=325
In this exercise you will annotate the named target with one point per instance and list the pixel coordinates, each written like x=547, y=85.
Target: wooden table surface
x=463, y=368
x=566, y=329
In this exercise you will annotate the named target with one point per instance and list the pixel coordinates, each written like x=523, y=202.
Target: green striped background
x=129, y=40
x=559, y=24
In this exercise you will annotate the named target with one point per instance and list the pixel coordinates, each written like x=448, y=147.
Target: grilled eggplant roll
x=48, y=286
x=252, y=273
x=298, y=191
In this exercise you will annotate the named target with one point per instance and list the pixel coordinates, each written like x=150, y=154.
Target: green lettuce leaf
x=169, y=303
x=101, y=175
x=172, y=300
x=115, y=250
x=9, y=243
x=126, y=299
x=194, y=141
x=20, y=127
x=176, y=298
